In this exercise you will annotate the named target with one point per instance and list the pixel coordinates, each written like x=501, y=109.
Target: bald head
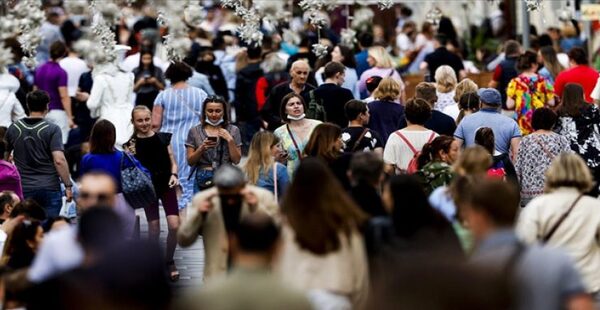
x=299, y=72
x=96, y=188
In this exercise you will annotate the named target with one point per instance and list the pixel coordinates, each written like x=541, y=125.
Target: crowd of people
x=312, y=182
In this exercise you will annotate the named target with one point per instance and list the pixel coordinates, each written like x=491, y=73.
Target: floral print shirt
x=529, y=93
x=435, y=174
x=534, y=157
x=583, y=133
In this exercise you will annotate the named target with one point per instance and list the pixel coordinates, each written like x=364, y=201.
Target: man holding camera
x=216, y=213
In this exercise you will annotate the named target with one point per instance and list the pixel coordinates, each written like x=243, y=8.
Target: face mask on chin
x=217, y=123
x=296, y=118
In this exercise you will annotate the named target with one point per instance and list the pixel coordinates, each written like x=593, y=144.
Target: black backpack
x=316, y=110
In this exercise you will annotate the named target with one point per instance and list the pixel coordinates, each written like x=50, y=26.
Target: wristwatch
x=175, y=174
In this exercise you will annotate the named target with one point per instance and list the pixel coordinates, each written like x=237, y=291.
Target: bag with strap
x=315, y=108
x=552, y=230
x=413, y=164
x=136, y=185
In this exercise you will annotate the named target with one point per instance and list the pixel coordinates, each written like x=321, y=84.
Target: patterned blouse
x=529, y=93
x=435, y=174
x=583, y=133
x=535, y=154
x=287, y=144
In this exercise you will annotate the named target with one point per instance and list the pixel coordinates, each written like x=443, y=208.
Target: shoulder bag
x=359, y=140
x=294, y=141
x=136, y=185
x=550, y=233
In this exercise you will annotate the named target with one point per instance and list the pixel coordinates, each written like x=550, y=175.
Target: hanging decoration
x=193, y=14
x=348, y=37
x=177, y=43
x=565, y=13
x=533, y=5
x=6, y=58
x=385, y=4
x=111, y=13
x=249, y=30
x=29, y=17
x=290, y=36
x=105, y=37
x=434, y=16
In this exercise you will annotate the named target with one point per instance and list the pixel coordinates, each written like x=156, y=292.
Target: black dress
x=153, y=153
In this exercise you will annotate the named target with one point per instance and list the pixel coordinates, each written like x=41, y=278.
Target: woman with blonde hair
x=445, y=84
x=382, y=65
x=565, y=218
x=464, y=86
x=552, y=66
x=261, y=168
x=386, y=114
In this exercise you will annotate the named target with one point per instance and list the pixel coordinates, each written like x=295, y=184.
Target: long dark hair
x=468, y=102
x=573, y=101
x=146, y=50
x=319, y=212
x=18, y=248
x=103, y=137
x=431, y=151
x=412, y=211
x=215, y=99
x=551, y=61
x=349, y=60
x=322, y=142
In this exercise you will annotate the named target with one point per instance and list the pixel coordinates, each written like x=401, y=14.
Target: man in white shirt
x=60, y=251
x=75, y=67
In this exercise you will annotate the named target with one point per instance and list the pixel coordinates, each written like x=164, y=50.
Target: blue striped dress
x=181, y=112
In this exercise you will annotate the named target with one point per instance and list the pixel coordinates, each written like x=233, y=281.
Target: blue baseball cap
x=490, y=96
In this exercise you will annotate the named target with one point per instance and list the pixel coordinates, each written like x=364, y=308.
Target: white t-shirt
x=74, y=67
x=10, y=108
x=452, y=111
x=398, y=153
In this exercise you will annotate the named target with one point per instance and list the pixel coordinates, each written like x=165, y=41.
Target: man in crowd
x=538, y=277
x=580, y=73
x=332, y=95
x=507, y=69
x=39, y=155
x=8, y=200
x=53, y=79
x=299, y=74
x=506, y=131
x=365, y=40
x=439, y=122
x=442, y=56
x=60, y=251
x=250, y=284
x=357, y=137
x=216, y=212
x=246, y=107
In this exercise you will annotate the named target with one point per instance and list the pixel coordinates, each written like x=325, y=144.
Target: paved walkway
x=189, y=261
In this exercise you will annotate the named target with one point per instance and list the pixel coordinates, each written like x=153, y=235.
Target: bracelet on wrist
x=175, y=175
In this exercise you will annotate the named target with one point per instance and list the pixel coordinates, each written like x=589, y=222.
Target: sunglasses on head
x=214, y=98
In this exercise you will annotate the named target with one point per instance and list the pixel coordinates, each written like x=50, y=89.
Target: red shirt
x=582, y=75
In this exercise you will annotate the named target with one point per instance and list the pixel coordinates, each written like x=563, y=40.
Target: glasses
x=101, y=197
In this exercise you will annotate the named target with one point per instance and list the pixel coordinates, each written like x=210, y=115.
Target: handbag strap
x=412, y=148
x=548, y=153
x=186, y=103
x=287, y=126
x=362, y=135
x=275, y=181
x=560, y=220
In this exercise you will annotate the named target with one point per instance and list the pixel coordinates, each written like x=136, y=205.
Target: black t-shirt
x=153, y=154
x=441, y=56
x=370, y=141
x=334, y=99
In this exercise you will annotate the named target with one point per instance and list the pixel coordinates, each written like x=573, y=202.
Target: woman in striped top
x=176, y=110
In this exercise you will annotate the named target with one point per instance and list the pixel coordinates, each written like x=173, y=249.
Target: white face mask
x=217, y=123
x=296, y=118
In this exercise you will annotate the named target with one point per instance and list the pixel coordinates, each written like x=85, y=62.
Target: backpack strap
x=431, y=137
x=412, y=148
x=360, y=138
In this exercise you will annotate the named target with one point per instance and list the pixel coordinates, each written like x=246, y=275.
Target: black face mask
x=231, y=207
